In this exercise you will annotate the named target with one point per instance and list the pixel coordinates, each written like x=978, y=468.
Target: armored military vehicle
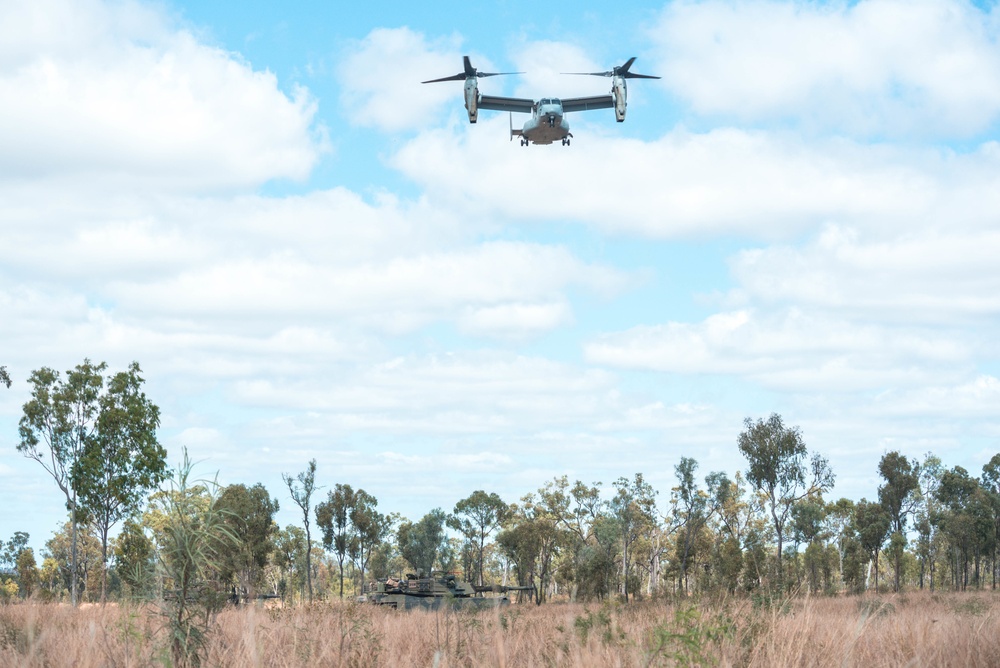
x=438, y=591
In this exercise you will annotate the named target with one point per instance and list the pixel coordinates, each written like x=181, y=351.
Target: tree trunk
x=309, y=576
x=72, y=575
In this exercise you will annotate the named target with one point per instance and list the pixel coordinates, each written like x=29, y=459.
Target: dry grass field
x=917, y=629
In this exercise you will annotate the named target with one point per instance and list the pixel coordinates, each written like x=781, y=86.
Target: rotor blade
x=624, y=68
x=623, y=71
x=495, y=74
x=590, y=74
x=457, y=77
x=470, y=71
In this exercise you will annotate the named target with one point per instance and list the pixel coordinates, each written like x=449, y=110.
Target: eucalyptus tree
x=871, y=523
x=124, y=461
x=134, y=558
x=990, y=482
x=420, y=542
x=289, y=559
x=780, y=469
x=248, y=512
x=574, y=510
x=532, y=538
x=693, y=507
x=4, y=376
x=899, y=496
x=476, y=517
x=928, y=514
x=59, y=421
x=633, y=507
x=10, y=550
x=370, y=528
x=333, y=517
x=808, y=528
x=301, y=489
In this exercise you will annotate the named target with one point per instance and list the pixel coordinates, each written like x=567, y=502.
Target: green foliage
x=333, y=517
x=123, y=460
x=778, y=469
x=8, y=591
x=27, y=572
x=59, y=421
x=134, y=562
x=193, y=540
x=249, y=514
x=4, y=376
x=301, y=489
x=691, y=639
x=600, y=624
x=87, y=574
x=477, y=517
x=419, y=543
x=11, y=550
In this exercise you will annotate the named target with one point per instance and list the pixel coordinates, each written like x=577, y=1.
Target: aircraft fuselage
x=547, y=124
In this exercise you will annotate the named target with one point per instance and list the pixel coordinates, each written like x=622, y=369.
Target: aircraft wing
x=493, y=103
x=587, y=103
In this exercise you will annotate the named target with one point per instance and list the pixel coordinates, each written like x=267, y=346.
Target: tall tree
x=134, y=557
x=476, y=517
x=4, y=376
x=898, y=496
x=58, y=423
x=249, y=514
x=370, y=529
x=333, y=517
x=27, y=572
x=10, y=550
x=990, y=483
x=633, y=507
x=301, y=489
x=123, y=461
x=928, y=515
x=778, y=468
x=420, y=542
x=693, y=507
x=289, y=558
x=871, y=523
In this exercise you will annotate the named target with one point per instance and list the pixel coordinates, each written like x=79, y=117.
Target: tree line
x=768, y=528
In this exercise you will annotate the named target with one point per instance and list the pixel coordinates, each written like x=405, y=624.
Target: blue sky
x=313, y=255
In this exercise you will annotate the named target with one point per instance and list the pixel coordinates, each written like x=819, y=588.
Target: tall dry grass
x=907, y=630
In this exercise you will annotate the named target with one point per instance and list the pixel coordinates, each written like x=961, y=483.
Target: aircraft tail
x=513, y=132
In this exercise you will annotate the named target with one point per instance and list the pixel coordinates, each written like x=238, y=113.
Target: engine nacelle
x=472, y=98
x=620, y=93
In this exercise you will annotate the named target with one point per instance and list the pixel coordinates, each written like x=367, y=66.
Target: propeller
x=469, y=73
x=620, y=71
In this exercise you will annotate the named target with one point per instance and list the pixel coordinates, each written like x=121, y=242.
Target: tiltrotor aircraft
x=548, y=122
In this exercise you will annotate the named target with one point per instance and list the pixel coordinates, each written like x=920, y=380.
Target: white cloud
x=515, y=320
x=977, y=398
x=684, y=184
x=790, y=350
x=115, y=91
x=397, y=294
x=935, y=276
x=894, y=67
x=381, y=79
x=545, y=63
